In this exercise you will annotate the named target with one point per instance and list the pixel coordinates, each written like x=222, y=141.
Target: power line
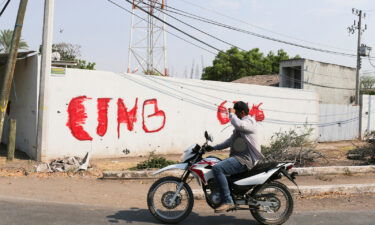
x=221, y=99
x=191, y=36
x=5, y=6
x=203, y=105
x=174, y=27
x=119, y=6
x=261, y=35
x=195, y=28
x=240, y=48
x=233, y=44
x=208, y=86
x=318, y=85
x=257, y=26
x=371, y=63
x=210, y=107
x=237, y=46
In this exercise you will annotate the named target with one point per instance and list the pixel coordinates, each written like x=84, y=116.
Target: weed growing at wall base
x=153, y=162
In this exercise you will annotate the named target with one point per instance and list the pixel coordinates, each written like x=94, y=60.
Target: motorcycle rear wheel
x=160, y=204
x=277, y=193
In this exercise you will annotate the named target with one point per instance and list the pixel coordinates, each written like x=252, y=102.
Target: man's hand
x=209, y=148
x=231, y=110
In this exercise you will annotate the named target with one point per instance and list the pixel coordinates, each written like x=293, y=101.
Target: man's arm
x=224, y=145
x=241, y=125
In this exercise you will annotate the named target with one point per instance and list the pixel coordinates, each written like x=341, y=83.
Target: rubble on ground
x=67, y=164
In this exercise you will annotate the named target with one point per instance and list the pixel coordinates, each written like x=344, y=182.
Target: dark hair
x=241, y=106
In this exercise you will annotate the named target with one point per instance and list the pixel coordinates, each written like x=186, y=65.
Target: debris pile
x=67, y=164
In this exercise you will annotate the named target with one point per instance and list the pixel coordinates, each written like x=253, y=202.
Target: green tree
x=82, y=64
x=71, y=52
x=234, y=64
x=6, y=40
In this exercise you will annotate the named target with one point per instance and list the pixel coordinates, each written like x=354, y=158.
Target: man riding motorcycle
x=244, y=151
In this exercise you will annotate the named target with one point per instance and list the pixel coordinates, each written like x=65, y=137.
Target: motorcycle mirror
x=207, y=136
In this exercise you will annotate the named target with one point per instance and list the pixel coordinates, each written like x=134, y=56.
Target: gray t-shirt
x=244, y=142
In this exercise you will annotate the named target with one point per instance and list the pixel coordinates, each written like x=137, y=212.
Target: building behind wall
x=335, y=84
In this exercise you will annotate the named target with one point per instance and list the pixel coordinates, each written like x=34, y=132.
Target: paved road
x=18, y=211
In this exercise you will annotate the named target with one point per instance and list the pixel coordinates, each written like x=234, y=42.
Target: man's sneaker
x=225, y=207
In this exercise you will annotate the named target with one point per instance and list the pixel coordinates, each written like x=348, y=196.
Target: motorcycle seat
x=258, y=168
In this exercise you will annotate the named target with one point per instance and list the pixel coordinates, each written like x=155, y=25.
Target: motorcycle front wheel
x=160, y=200
x=279, y=203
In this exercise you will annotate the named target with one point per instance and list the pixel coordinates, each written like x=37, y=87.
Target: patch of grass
x=153, y=162
x=347, y=148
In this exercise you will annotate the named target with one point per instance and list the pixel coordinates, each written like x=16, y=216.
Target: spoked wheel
x=165, y=204
x=276, y=203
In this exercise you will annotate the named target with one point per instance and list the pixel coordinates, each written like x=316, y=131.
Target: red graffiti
x=102, y=116
x=77, y=117
x=125, y=116
x=157, y=113
x=257, y=113
x=223, y=115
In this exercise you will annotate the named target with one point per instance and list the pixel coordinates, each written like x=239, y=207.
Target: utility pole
x=44, y=77
x=352, y=29
x=11, y=63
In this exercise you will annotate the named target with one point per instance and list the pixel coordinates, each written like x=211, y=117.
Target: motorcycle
x=170, y=199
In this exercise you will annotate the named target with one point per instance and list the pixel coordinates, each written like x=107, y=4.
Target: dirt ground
x=334, y=152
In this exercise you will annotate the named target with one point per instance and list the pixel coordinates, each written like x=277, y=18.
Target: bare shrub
x=364, y=153
x=292, y=146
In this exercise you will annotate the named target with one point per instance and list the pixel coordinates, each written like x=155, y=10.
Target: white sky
x=103, y=30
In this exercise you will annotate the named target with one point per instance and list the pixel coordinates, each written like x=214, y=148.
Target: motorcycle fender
x=180, y=166
x=256, y=179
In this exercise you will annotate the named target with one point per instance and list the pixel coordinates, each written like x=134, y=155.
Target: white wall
x=368, y=113
x=23, y=105
x=341, y=77
x=190, y=108
x=338, y=122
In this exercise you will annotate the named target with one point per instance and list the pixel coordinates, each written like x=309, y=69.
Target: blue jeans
x=227, y=167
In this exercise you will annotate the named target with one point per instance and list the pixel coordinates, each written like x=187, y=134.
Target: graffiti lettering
x=157, y=113
x=125, y=116
x=153, y=120
x=256, y=112
x=102, y=116
x=77, y=117
x=223, y=115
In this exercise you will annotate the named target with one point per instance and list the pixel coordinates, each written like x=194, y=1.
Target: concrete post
x=44, y=78
x=369, y=114
x=12, y=140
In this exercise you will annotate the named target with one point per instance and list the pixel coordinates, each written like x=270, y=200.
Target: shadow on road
x=144, y=216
